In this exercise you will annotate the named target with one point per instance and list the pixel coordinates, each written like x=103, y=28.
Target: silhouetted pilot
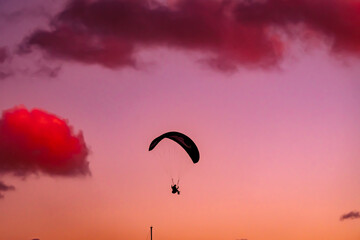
x=175, y=189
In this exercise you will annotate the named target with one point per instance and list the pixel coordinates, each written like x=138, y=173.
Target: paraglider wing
x=184, y=141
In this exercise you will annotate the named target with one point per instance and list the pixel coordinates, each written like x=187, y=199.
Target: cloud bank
x=37, y=142
x=230, y=32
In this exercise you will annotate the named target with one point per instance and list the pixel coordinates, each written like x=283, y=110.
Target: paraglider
x=186, y=143
x=175, y=188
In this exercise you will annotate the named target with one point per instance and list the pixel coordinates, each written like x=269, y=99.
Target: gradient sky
x=279, y=141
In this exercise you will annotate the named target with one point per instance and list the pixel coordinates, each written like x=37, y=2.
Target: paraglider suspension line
x=172, y=180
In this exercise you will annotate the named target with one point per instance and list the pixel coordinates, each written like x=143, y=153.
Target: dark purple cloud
x=338, y=20
x=350, y=215
x=3, y=54
x=70, y=44
x=110, y=32
x=233, y=33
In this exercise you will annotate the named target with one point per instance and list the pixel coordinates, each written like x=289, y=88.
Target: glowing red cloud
x=39, y=142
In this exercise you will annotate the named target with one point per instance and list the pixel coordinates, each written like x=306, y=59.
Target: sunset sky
x=268, y=90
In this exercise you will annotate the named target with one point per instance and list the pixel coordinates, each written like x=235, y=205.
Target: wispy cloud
x=5, y=188
x=5, y=72
x=350, y=215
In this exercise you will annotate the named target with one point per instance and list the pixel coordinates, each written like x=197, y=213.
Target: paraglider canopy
x=184, y=141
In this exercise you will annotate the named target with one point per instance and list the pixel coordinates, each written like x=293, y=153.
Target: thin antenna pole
x=151, y=232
